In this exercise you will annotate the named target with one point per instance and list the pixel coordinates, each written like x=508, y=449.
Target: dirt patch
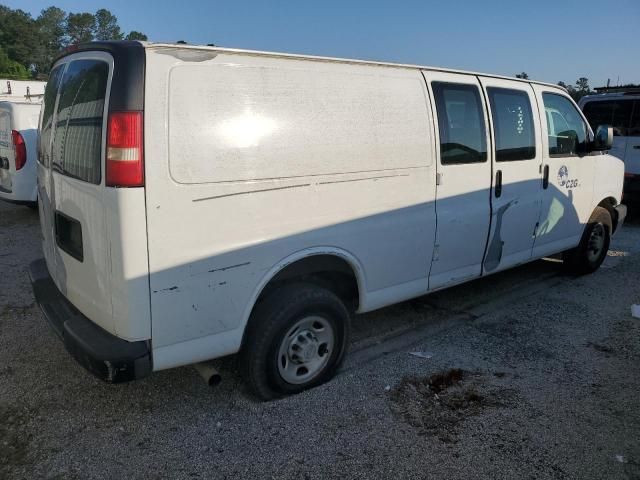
x=14, y=439
x=438, y=404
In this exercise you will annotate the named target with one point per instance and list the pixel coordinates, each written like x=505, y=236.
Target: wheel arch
x=307, y=264
x=609, y=203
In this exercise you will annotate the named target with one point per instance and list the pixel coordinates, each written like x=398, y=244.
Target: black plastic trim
x=127, y=84
x=108, y=357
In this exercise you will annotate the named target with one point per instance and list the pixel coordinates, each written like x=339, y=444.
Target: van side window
x=461, y=123
x=49, y=103
x=566, y=129
x=512, y=124
x=77, y=142
x=616, y=113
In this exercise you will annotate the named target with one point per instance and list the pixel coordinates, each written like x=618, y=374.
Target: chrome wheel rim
x=305, y=349
x=596, y=242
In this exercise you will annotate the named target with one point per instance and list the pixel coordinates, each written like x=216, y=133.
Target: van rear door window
x=77, y=143
x=616, y=113
x=512, y=124
x=461, y=123
x=48, y=106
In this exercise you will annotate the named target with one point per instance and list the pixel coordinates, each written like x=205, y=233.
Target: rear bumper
x=108, y=357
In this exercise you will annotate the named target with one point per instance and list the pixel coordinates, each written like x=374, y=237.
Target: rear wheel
x=295, y=340
x=592, y=250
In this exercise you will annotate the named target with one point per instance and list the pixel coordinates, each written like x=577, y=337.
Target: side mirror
x=604, y=138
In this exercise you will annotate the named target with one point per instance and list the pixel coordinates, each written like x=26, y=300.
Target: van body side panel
x=250, y=160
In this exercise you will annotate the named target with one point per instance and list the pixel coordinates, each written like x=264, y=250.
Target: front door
x=567, y=197
x=517, y=172
x=463, y=178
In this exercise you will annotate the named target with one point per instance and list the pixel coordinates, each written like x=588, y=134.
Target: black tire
x=270, y=322
x=589, y=254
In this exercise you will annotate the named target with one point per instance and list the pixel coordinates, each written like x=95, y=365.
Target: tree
x=19, y=37
x=11, y=69
x=80, y=27
x=522, y=75
x=51, y=25
x=106, y=26
x=133, y=35
x=582, y=85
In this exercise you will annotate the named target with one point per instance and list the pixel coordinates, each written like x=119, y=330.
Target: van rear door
x=74, y=221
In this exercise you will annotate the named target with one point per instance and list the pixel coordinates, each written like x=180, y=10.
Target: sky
x=550, y=40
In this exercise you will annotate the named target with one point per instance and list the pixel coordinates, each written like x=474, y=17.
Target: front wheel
x=295, y=340
x=594, y=245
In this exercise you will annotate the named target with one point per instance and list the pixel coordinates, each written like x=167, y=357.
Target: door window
x=77, y=142
x=512, y=124
x=616, y=113
x=46, y=124
x=461, y=123
x=565, y=126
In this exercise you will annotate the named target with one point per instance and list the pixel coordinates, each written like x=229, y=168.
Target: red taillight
x=20, y=148
x=125, y=161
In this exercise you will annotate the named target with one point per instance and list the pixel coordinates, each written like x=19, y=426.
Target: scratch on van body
x=166, y=289
x=250, y=191
x=362, y=179
x=494, y=252
x=224, y=269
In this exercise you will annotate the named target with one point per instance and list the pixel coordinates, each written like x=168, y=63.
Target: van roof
x=110, y=45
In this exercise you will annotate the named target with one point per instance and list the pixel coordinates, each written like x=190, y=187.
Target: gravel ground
x=531, y=374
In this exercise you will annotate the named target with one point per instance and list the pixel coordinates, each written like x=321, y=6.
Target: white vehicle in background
x=18, y=152
x=30, y=91
x=620, y=108
x=197, y=202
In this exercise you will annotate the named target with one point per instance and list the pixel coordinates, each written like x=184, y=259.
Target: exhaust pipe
x=208, y=372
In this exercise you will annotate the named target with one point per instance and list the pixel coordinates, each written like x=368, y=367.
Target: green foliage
x=11, y=69
x=580, y=90
x=52, y=26
x=106, y=26
x=133, y=35
x=80, y=27
x=29, y=46
x=523, y=75
x=19, y=36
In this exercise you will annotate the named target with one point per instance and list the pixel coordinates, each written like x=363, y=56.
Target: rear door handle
x=545, y=177
x=498, y=187
x=637, y=147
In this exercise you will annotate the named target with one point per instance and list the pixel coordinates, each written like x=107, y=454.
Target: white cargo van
x=620, y=108
x=18, y=140
x=198, y=202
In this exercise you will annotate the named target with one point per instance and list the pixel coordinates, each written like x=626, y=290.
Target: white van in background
x=30, y=91
x=197, y=202
x=620, y=108
x=18, y=153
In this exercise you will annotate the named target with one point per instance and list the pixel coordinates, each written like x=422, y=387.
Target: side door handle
x=545, y=177
x=498, y=187
x=637, y=147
